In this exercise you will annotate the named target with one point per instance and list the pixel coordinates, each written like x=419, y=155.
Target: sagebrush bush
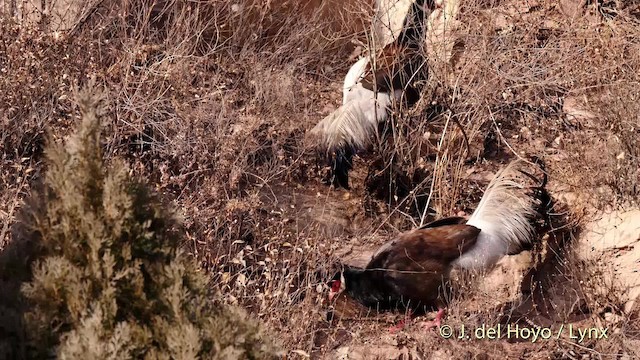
x=108, y=278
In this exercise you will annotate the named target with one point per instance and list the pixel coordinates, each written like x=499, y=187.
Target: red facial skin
x=335, y=288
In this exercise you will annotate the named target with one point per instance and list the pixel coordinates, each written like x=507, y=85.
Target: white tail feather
x=504, y=218
x=354, y=123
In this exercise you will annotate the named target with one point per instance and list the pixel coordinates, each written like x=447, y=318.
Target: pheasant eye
x=335, y=285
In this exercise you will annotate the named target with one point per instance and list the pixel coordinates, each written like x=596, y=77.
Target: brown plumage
x=370, y=88
x=410, y=271
x=395, y=67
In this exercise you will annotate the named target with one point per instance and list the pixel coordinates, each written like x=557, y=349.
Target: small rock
x=558, y=143
x=613, y=318
x=575, y=111
x=342, y=353
x=615, y=240
x=525, y=133
x=572, y=8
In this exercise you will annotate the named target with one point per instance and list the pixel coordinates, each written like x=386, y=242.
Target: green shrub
x=108, y=279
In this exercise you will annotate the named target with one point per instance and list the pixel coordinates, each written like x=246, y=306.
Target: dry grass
x=211, y=106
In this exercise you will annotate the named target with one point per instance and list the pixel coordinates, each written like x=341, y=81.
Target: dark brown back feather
x=452, y=220
x=412, y=268
x=442, y=243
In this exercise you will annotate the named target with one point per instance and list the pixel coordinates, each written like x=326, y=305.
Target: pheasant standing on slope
x=372, y=84
x=409, y=272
